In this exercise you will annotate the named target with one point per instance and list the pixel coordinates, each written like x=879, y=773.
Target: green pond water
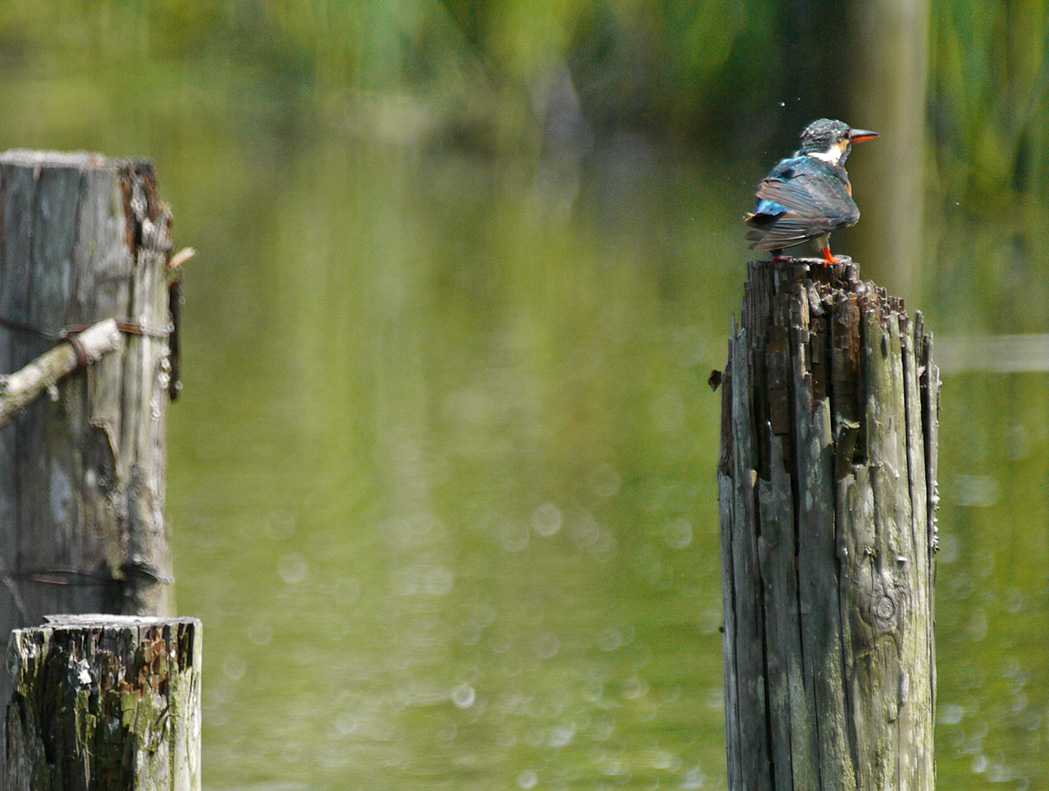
x=443, y=489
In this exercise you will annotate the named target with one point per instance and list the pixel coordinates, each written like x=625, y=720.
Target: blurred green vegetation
x=479, y=73
x=990, y=98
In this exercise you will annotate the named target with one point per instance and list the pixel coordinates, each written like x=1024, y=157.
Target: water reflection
x=463, y=549
x=992, y=635
x=453, y=522
x=1001, y=353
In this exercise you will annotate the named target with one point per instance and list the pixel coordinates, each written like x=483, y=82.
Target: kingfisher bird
x=807, y=195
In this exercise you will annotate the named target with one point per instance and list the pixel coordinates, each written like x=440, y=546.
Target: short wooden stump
x=105, y=701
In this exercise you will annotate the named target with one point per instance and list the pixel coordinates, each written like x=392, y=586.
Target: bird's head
x=831, y=140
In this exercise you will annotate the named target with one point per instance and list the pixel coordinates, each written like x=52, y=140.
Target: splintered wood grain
x=728, y=505
x=817, y=550
x=827, y=486
x=929, y=387
x=790, y=704
x=749, y=624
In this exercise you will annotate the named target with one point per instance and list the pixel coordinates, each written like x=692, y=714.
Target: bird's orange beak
x=861, y=135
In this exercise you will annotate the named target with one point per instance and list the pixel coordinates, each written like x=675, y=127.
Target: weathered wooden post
x=827, y=487
x=83, y=239
x=105, y=702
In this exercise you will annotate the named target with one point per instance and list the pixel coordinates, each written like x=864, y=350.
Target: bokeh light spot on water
x=584, y=531
x=649, y=566
x=546, y=519
x=694, y=778
x=950, y=713
x=948, y=552
x=470, y=632
x=677, y=534
x=417, y=530
x=975, y=491
x=592, y=690
x=512, y=537
x=1014, y=600
x=260, y=632
x=1018, y=444
x=634, y=688
x=613, y=767
x=346, y=724
x=547, y=646
x=293, y=568
x=976, y=629
x=710, y=620
x=234, y=667
x=610, y=639
x=422, y=579
x=665, y=760
x=562, y=735
x=463, y=696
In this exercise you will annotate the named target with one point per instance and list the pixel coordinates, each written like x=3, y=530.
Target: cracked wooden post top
x=105, y=701
x=827, y=491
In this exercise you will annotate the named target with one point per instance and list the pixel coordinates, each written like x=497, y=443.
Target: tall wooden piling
x=827, y=488
x=105, y=702
x=82, y=473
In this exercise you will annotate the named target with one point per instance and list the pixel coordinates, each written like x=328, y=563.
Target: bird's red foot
x=829, y=257
x=782, y=259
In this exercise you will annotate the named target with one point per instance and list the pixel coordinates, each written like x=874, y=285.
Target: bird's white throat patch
x=831, y=155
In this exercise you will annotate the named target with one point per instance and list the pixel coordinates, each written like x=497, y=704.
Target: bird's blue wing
x=801, y=199
x=809, y=197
